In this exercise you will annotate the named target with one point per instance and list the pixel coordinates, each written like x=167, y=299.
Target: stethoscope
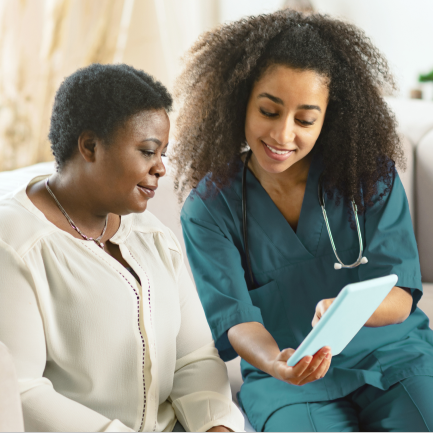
x=360, y=260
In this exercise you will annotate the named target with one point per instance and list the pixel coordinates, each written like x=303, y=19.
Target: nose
x=284, y=131
x=158, y=169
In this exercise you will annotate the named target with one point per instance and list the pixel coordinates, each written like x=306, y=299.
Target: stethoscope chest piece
x=361, y=260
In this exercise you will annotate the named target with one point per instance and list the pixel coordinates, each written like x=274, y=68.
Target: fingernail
x=328, y=355
x=308, y=359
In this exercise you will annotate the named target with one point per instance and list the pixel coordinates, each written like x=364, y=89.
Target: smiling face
x=284, y=117
x=126, y=171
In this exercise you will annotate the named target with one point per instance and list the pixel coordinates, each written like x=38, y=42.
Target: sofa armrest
x=424, y=205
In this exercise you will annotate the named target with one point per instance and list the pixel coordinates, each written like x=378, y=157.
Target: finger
x=293, y=375
x=319, y=373
x=299, y=369
x=323, y=368
x=316, y=318
x=281, y=367
x=285, y=354
x=317, y=360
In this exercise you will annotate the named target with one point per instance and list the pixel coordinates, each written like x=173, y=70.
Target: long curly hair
x=358, y=142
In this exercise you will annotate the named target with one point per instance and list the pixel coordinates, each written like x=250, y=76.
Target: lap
x=337, y=415
x=405, y=406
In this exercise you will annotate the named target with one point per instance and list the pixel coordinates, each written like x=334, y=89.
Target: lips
x=147, y=190
x=277, y=154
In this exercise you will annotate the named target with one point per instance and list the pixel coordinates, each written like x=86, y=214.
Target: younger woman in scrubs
x=303, y=95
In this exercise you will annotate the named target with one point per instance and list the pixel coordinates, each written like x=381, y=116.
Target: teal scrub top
x=293, y=272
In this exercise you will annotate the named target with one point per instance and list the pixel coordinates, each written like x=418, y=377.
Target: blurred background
x=42, y=41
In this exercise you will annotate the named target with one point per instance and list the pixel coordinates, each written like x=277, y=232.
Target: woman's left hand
x=219, y=428
x=321, y=307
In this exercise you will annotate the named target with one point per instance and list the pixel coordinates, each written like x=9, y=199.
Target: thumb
x=285, y=354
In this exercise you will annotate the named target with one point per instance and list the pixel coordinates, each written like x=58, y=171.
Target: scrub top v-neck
x=293, y=271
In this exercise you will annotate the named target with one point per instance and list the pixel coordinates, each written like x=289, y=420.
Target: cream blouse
x=95, y=350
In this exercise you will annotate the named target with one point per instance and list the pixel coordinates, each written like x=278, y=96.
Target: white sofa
x=416, y=125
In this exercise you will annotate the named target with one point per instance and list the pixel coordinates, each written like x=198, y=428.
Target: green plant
x=426, y=77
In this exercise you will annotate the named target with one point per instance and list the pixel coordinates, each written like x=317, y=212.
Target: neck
x=79, y=201
x=295, y=175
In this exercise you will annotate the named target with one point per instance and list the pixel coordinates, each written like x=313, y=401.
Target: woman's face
x=284, y=117
x=127, y=170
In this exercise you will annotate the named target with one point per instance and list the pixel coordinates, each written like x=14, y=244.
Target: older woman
x=96, y=306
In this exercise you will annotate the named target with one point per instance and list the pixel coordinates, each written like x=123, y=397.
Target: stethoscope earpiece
x=364, y=260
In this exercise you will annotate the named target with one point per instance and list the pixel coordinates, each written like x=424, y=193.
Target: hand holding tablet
x=350, y=310
x=308, y=369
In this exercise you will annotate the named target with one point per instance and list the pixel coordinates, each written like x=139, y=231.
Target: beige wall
x=42, y=41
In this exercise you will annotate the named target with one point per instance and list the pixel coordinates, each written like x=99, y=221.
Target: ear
x=87, y=142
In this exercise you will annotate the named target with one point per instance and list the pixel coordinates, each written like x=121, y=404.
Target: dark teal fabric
x=405, y=406
x=293, y=272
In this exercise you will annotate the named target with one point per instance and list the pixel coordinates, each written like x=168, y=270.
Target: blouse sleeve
x=201, y=395
x=390, y=244
x=218, y=273
x=22, y=331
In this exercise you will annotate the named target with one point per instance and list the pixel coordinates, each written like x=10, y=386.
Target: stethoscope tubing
x=360, y=260
x=244, y=219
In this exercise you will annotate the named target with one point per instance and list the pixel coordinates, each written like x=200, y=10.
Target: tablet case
x=345, y=317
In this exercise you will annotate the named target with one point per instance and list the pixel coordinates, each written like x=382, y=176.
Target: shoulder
x=20, y=228
x=389, y=203
x=146, y=222
x=389, y=188
x=207, y=201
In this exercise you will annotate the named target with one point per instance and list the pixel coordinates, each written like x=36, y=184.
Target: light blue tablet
x=349, y=312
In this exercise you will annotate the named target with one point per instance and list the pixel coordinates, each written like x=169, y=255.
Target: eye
x=267, y=114
x=305, y=122
x=148, y=153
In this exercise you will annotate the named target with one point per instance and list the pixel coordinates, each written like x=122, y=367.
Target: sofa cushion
x=414, y=117
x=10, y=180
x=407, y=176
x=426, y=302
x=424, y=205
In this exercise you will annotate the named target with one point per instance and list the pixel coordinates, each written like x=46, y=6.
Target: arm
x=257, y=346
x=394, y=309
x=236, y=323
x=390, y=247
x=11, y=415
x=22, y=330
x=201, y=395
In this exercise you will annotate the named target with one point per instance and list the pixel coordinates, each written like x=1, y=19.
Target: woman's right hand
x=257, y=346
x=308, y=369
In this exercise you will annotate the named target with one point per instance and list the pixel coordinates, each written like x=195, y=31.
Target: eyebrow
x=309, y=107
x=271, y=97
x=280, y=101
x=155, y=140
